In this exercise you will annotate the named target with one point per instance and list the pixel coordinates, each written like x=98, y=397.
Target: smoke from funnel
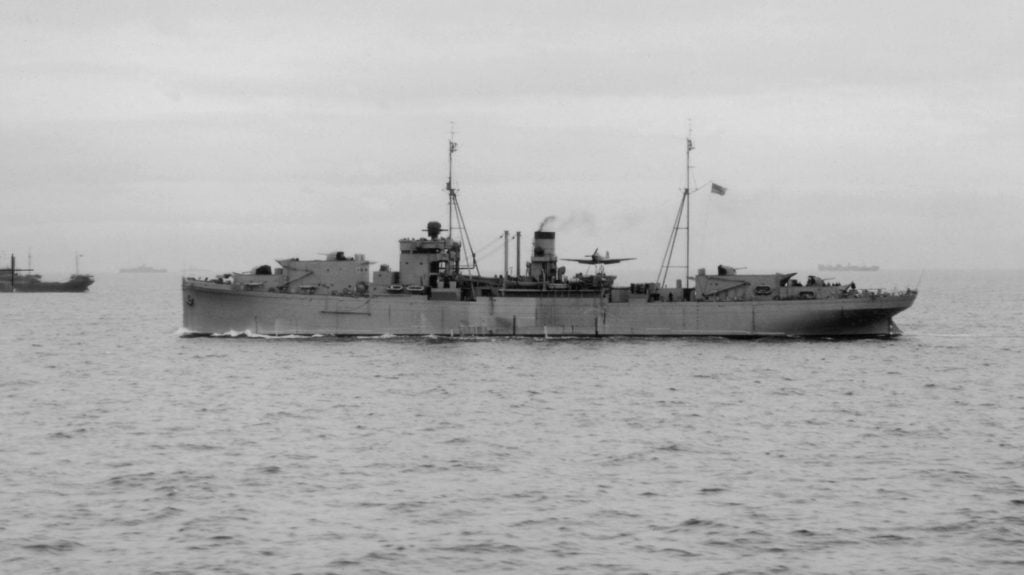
x=578, y=220
x=546, y=221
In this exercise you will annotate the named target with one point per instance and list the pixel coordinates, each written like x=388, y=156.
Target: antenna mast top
x=452, y=199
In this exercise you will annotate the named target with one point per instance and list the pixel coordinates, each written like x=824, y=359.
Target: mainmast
x=684, y=205
x=455, y=219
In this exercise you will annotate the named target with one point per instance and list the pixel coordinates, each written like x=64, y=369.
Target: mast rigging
x=455, y=219
x=684, y=205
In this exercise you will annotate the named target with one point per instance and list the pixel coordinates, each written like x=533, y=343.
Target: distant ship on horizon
x=846, y=268
x=12, y=281
x=143, y=269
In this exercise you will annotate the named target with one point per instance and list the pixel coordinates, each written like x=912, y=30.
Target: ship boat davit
x=435, y=292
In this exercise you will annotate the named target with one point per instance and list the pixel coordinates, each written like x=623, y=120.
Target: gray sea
x=126, y=448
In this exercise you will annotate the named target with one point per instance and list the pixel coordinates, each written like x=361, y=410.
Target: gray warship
x=434, y=292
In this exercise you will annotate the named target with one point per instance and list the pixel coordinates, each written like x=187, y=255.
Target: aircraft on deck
x=596, y=259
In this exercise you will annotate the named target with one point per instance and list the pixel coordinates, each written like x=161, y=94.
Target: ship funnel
x=543, y=244
x=543, y=264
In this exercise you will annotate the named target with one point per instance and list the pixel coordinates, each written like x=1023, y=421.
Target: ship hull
x=76, y=284
x=222, y=309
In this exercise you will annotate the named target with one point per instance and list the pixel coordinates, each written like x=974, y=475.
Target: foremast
x=455, y=219
x=684, y=206
x=14, y=272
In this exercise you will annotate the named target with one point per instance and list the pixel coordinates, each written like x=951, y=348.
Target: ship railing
x=880, y=292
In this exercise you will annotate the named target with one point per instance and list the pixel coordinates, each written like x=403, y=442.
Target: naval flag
x=716, y=189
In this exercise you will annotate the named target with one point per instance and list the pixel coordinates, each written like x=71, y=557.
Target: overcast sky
x=222, y=135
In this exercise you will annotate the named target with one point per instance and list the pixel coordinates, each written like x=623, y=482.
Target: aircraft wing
x=597, y=261
x=615, y=260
